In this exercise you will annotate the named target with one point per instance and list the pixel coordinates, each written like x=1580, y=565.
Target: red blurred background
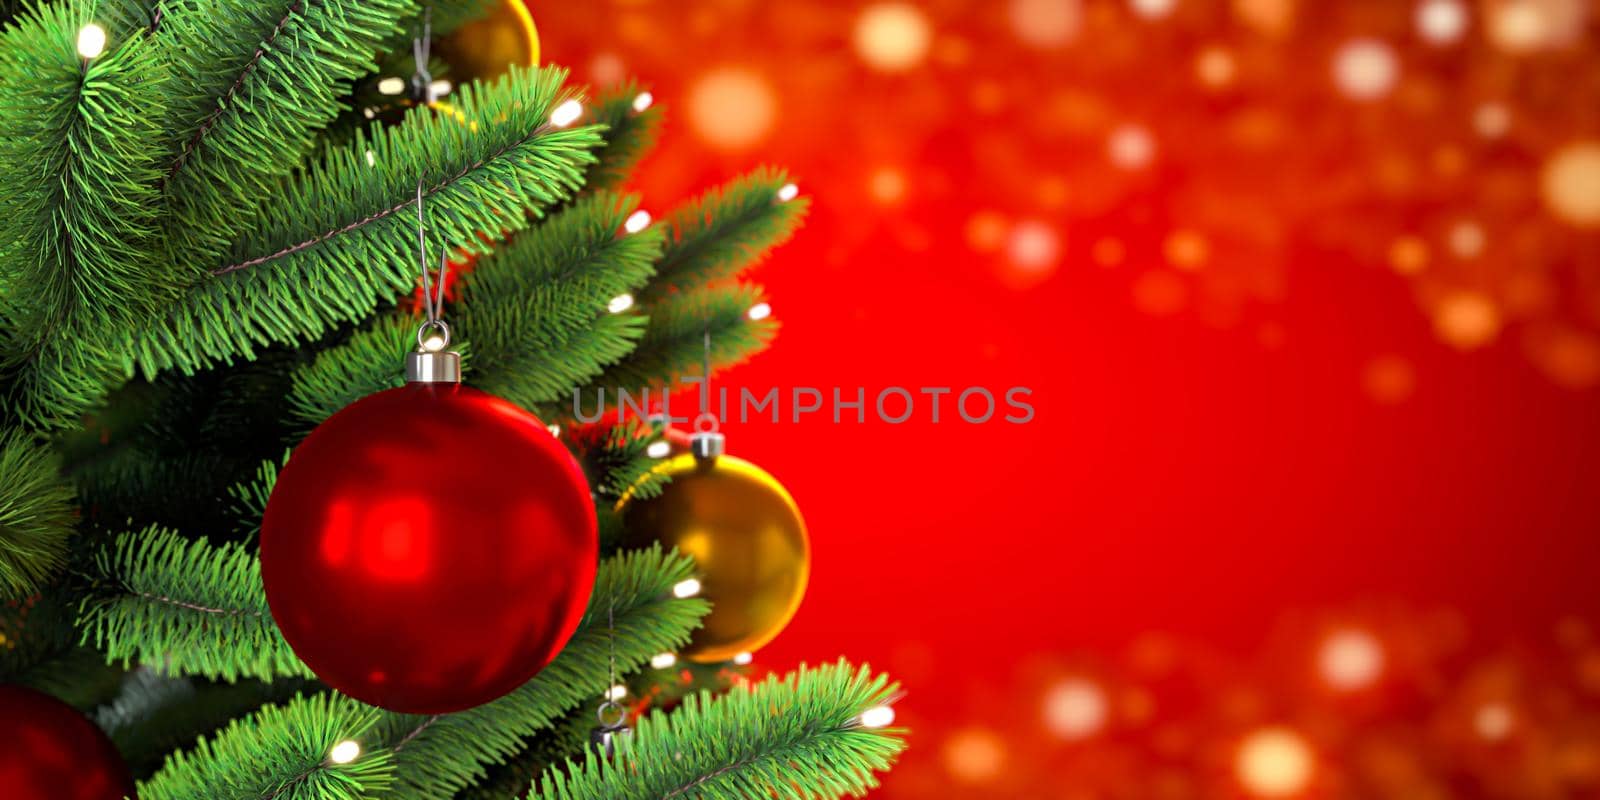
x=1307, y=296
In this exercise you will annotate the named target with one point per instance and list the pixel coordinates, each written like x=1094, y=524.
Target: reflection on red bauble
x=428, y=548
x=49, y=751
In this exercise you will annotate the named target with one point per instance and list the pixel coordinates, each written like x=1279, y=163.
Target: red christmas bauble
x=52, y=752
x=429, y=548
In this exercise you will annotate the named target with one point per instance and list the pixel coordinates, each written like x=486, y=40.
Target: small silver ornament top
x=431, y=362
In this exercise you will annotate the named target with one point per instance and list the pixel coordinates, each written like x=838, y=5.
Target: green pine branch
x=154, y=714
x=280, y=753
x=726, y=231
x=342, y=235
x=370, y=361
x=673, y=345
x=428, y=757
x=186, y=607
x=250, y=496
x=630, y=135
x=799, y=738
x=79, y=142
x=39, y=649
x=536, y=309
x=438, y=756
x=36, y=516
x=254, y=81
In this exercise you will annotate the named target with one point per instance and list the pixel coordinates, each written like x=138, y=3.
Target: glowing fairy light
x=877, y=717
x=620, y=303
x=617, y=692
x=91, y=41
x=392, y=86
x=686, y=588
x=1365, y=69
x=566, y=113
x=1274, y=762
x=345, y=752
x=555, y=430
x=892, y=37
x=372, y=159
x=1076, y=708
x=759, y=311
x=1441, y=21
x=663, y=660
x=1350, y=660
x=643, y=101
x=637, y=221
x=743, y=659
x=440, y=88
x=788, y=192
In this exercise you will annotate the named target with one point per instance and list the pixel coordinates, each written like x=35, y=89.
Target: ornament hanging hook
x=707, y=441
x=431, y=362
x=421, y=54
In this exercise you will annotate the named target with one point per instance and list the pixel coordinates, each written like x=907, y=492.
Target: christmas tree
x=208, y=246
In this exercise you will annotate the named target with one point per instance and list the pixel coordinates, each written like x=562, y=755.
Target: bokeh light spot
x=1186, y=250
x=887, y=185
x=986, y=231
x=1466, y=320
x=1365, y=69
x=1075, y=708
x=1441, y=21
x=1493, y=721
x=1408, y=255
x=1353, y=659
x=1570, y=184
x=1152, y=9
x=1033, y=251
x=732, y=108
x=1160, y=293
x=1389, y=380
x=1215, y=67
x=974, y=755
x=892, y=37
x=1046, y=23
x=1131, y=147
x=1274, y=762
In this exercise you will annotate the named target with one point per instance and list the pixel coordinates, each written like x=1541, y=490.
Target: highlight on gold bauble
x=486, y=48
x=747, y=537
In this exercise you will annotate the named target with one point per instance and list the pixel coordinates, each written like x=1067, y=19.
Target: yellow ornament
x=485, y=48
x=744, y=532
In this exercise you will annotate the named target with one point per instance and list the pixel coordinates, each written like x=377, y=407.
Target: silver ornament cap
x=431, y=362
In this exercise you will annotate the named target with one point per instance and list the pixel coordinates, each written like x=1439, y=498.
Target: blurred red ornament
x=429, y=548
x=52, y=752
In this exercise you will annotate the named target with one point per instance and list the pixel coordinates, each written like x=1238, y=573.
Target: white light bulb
x=658, y=449
x=440, y=88
x=759, y=311
x=637, y=221
x=663, y=660
x=392, y=86
x=555, y=430
x=620, y=303
x=566, y=113
x=617, y=692
x=877, y=717
x=742, y=659
x=344, y=752
x=788, y=192
x=91, y=41
x=686, y=588
x=643, y=101
x=372, y=158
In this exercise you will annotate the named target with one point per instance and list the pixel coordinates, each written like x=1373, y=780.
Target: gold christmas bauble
x=746, y=535
x=485, y=48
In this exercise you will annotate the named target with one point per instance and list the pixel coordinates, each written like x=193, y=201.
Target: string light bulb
x=759, y=311
x=878, y=717
x=91, y=41
x=637, y=221
x=345, y=752
x=642, y=101
x=663, y=660
x=788, y=192
x=658, y=449
x=566, y=113
x=620, y=303
x=392, y=86
x=686, y=588
x=743, y=659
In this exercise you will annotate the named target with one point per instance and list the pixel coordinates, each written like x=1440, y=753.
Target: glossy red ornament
x=429, y=548
x=52, y=752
